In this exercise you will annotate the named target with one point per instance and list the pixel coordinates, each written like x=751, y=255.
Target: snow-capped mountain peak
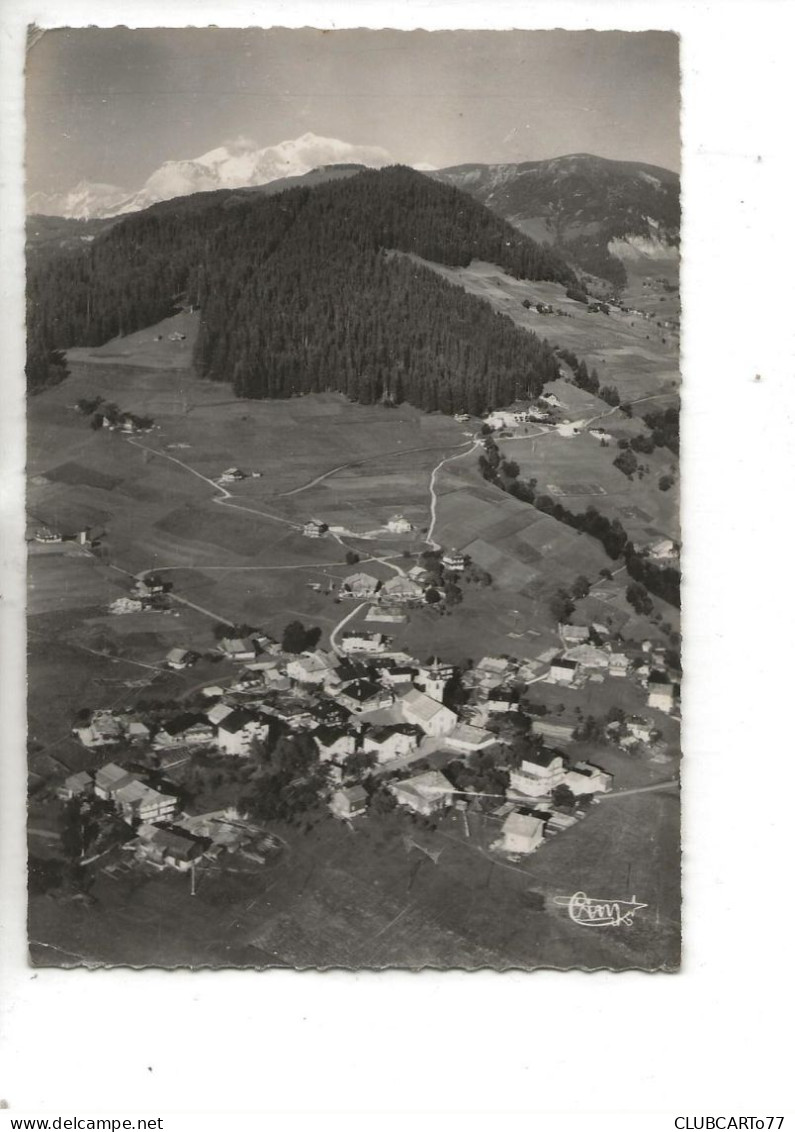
x=234, y=165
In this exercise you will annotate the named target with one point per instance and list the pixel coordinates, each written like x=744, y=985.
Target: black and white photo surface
x=353, y=498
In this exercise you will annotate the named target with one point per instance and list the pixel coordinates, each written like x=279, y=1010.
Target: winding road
x=341, y=624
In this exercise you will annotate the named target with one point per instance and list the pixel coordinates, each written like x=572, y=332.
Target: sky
x=112, y=104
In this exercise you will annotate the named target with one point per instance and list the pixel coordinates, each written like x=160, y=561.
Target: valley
x=251, y=515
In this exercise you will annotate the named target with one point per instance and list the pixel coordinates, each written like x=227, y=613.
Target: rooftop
x=525, y=824
x=362, y=690
x=328, y=735
x=110, y=774
x=544, y=757
x=236, y=721
x=423, y=706
x=183, y=721
x=354, y=793
x=430, y=784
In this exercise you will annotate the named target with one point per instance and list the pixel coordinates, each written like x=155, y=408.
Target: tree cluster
x=663, y=581
x=297, y=639
x=587, y=379
x=288, y=782
x=664, y=425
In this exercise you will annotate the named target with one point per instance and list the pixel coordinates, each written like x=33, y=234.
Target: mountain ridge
x=236, y=165
x=503, y=186
x=597, y=211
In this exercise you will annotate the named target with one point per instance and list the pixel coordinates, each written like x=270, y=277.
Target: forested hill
x=299, y=292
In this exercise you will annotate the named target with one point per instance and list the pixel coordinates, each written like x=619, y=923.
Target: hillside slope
x=592, y=209
x=297, y=294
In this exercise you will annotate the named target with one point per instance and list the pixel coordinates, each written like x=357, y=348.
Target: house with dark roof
x=330, y=712
x=502, y=700
x=188, y=728
x=562, y=671
x=348, y=802
x=585, y=778
x=398, y=675
x=364, y=695
x=238, y=731
x=334, y=744
x=169, y=846
x=388, y=743
x=538, y=775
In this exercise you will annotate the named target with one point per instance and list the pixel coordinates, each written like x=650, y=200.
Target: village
x=355, y=730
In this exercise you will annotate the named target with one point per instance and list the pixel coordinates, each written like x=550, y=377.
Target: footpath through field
x=667, y=785
x=222, y=496
x=434, y=495
x=358, y=463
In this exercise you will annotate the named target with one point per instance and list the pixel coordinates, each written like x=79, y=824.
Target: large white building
x=312, y=667
x=521, y=833
x=585, y=778
x=401, y=589
x=135, y=801
x=425, y=712
x=358, y=641
x=359, y=585
x=426, y=793
x=140, y=803
x=538, y=776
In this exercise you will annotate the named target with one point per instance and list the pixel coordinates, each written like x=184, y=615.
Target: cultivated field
x=237, y=553
x=629, y=351
x=151, y=347
x=563, y=467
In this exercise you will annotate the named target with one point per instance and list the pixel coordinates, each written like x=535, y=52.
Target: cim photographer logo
x=593, y=912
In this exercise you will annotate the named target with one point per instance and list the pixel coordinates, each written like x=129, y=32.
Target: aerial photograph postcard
x=352, y=499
